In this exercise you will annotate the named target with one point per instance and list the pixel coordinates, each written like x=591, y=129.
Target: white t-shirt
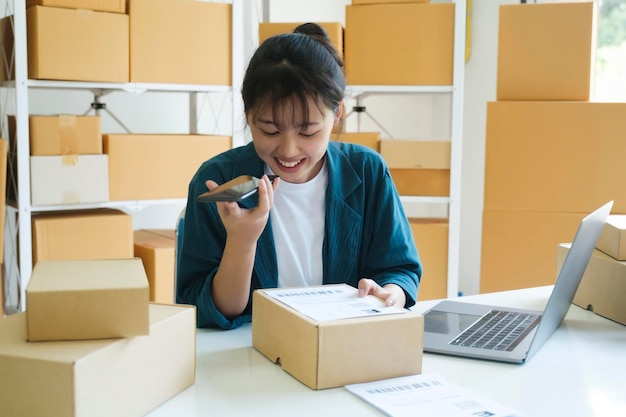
x=298, y=220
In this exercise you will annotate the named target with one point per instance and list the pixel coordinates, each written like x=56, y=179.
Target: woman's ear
x=338, y=113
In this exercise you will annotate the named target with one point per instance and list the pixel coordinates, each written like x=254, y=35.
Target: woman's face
x=293, y=148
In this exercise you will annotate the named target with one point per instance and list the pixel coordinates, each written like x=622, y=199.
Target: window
x=610, y=68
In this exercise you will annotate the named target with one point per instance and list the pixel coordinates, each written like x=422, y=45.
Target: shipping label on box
x=603, y=285
x=69, y=179
x=156, y=249
x=331, y=353
x=84, y=234
x=65, y=135
x=97, y=378
x=87, y=299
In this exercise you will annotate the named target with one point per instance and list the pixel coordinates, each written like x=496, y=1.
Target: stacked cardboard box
x=90, y=343
x=604, y=281
x=75, y=44
x=376, y=38
x=156, y=248
x=180, y=42
x=102, y=40
x=145, y=167
x=418, y=167
x=67, y=165
x=84, y=234
x=431, y=238
x=551, y=156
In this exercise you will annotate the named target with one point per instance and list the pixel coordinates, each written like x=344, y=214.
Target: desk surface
x=580, y=371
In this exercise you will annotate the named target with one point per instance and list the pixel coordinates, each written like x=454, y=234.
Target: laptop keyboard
x=498, y=330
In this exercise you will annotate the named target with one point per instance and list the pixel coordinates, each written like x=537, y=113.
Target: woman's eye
x=273, y=133
x=308, y=134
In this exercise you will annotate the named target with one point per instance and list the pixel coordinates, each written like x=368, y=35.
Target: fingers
x=211, y=185
x=266, y=192
x=390, y=298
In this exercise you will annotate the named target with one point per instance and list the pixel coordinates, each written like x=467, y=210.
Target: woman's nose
x=289, y=145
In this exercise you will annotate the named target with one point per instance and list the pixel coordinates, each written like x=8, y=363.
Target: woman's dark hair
x=294, y=68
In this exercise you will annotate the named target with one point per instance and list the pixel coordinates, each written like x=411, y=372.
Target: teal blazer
x=367, y=233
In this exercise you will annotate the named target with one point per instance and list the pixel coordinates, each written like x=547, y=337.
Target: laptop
x=508, y=334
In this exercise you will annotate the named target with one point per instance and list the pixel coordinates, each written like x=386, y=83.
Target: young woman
x=333, y=216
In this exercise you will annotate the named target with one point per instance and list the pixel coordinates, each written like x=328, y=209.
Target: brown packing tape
x=70, y=159
x=69, y=135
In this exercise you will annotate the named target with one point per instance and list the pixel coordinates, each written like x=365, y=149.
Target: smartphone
x=236, y=189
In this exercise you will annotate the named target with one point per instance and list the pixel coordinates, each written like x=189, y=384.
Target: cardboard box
x=64, y=135
x=612, y=240
x=603, y=285
x=144, y=167
x=77, y=45
x=369, y=139
x=87, y=299
x=545, y=51
x=519, y=247
x=555, y=156
x=7, y=71
x=3, y=188
x=198, y=51
x=84, y=234
x=431, y=239
x=422, y=182
x=410, y=154
x=97, y=378
x=69, y=179
x=113, y=6
x=157, y=252
x=399, y=44
x=332, y=353
x=334, y=30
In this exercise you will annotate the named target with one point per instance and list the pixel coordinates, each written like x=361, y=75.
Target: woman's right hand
x=247, y=224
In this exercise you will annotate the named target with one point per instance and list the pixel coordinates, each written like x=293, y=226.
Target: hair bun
x=318, y=33
x=313, y=30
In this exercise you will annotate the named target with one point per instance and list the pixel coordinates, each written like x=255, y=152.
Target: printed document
x=331, y=302
x=426, y=395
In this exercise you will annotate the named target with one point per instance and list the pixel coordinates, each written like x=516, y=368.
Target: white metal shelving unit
x=456, y=137
x=18, y=232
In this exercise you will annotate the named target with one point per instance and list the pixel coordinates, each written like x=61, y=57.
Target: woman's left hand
x=391, y=294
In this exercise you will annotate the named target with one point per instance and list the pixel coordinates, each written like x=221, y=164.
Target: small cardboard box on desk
x=122, y=377
x=603, y=285
x=370, y=345
x=87, y=299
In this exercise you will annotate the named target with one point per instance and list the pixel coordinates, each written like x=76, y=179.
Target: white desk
x=580, y=371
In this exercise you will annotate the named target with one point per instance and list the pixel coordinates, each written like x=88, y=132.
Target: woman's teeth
x=288, y=164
